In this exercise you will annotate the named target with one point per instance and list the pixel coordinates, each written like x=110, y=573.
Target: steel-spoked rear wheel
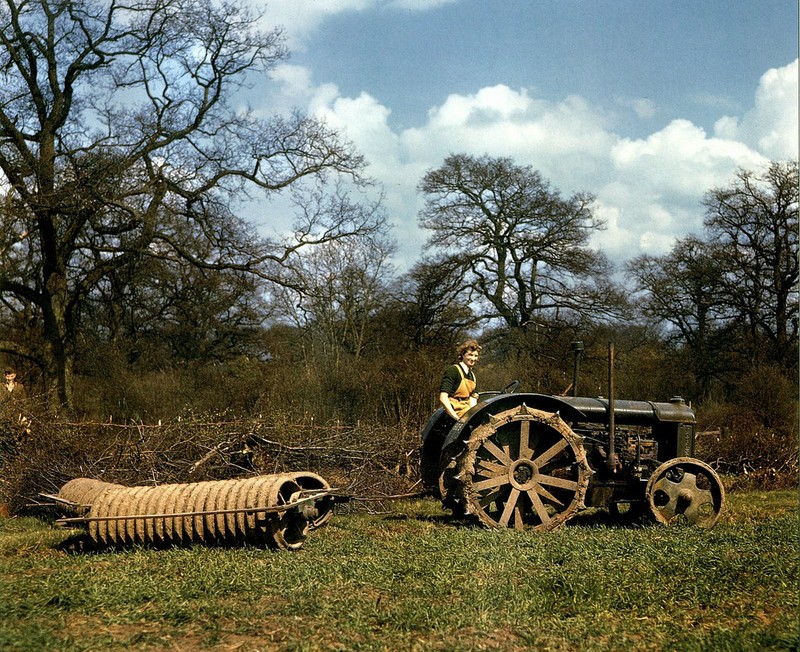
x=525, y=468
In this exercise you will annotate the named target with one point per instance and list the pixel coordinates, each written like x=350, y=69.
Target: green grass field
x=415, y=579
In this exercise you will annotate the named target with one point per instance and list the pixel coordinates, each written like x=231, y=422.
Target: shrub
x=753, y=438
x=204, y=447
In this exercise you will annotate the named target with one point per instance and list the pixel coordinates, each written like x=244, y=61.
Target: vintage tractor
x=534, y=461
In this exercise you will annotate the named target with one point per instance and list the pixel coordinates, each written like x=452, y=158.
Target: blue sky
x=646, y=104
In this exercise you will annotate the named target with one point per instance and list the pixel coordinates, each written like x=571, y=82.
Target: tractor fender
x=480, y=413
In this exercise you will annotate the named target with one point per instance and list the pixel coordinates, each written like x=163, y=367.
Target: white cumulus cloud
x=771, y=126
x=649, y=190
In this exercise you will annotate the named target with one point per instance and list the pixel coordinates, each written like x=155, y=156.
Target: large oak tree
x=519, y=248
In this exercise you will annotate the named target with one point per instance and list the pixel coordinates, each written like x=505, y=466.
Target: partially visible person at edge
x=457, y=390
x=12, y=390
x=12, y=402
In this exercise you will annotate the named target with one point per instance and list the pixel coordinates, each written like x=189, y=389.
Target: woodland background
x=161, y=337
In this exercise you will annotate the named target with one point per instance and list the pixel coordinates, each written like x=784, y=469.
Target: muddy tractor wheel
x=685, y=490
x=525, y=468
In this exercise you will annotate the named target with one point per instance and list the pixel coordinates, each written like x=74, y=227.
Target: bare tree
x=519, y=247
x=683, y=292
x=333, y=291
x=166, y=313
x=754, y=221
x=424, y=305
x=731, y=296
x=118, y=140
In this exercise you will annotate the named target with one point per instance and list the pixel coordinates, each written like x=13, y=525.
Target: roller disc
x=525, y=468
x=324, y=506
x=288, y=529
x=685, y=490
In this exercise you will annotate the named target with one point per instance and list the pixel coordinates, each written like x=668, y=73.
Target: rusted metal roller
x=274, y=510
x=83, y=492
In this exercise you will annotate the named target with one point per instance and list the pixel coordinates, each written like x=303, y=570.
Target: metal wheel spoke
x=670, y=489
x=525, y=451
x=518, y=522
x=490, y=483
x=553, y=481
x=673, y=492
x=688, y=483
x=488, y=498
x=497, y=452
x=546, y=494
x=538, y=505
x=511, y=503
x=490, y=469
x=551, y=452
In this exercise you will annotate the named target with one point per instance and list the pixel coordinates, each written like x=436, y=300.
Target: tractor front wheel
x=685, y=490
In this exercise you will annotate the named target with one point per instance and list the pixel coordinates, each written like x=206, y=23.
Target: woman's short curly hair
x=467, y=346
